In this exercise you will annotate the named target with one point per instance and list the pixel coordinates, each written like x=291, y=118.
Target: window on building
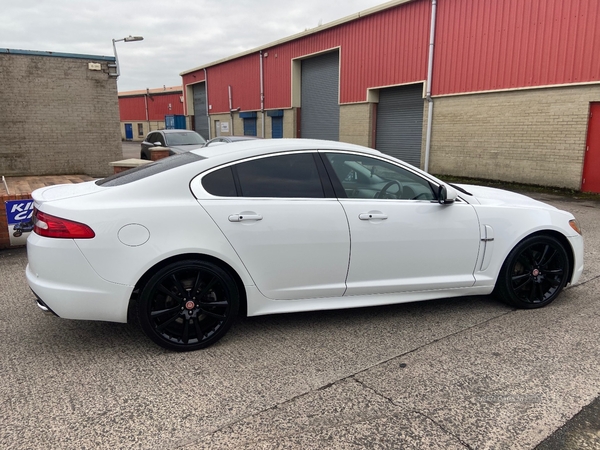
x=140, y=129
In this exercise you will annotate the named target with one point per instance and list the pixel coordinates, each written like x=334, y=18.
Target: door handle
x=371, y=216
x=243, y=217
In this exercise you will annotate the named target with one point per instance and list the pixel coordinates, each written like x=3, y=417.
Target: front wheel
x=534, y=272
x=188, y=305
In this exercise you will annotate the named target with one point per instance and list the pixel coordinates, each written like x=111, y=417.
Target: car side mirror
x=157, y=144
x=446, y=194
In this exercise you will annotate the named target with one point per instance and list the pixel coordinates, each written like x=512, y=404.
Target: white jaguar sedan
x=274, y=226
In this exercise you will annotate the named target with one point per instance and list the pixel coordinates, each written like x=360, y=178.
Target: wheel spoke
x=186, y=330
x=196, y=284
x=178, y=285
x=199, y=333
x=539, y=263
x=212, y=314
x=221, y=304
x=546, y=262
x=522, y=285
x=532, y=293
x=170, y=293
x=541, y=292
x=207, y=287
x=162, y=312
x=165, y=324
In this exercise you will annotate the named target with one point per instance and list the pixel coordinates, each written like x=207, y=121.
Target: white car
x=274, y=226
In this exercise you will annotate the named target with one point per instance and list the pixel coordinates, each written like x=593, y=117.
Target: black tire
x=188, y=305
x=534, y=273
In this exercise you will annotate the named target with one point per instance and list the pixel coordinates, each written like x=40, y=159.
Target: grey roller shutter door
x=200, y=117
x=320, y=109
x=400, y=122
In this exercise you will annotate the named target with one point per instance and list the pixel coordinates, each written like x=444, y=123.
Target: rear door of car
x=402, y=239
x=281, y=216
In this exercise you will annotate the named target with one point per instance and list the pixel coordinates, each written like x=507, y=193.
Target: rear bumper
x=68, y=286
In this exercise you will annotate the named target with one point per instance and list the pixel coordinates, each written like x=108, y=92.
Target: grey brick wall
x=535, y=136
x=57, y=116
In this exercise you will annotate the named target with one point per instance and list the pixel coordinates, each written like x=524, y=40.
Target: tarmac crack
x=582, y=283
x=352, y=376
x=441, y=427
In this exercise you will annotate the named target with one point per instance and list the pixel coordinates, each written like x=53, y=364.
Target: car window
x=220, y=183
x=160, y=138
x=151, y=138
x=280, y=176
x=184, y=138
x=148, y=170
x=365, y=177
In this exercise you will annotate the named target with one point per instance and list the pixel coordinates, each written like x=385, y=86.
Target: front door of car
x=292, y=237
x=402, y=239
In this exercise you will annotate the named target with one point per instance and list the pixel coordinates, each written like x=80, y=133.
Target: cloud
x=178, y=34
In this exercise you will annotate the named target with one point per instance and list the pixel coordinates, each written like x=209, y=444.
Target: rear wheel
x=534, y=272
x=188, y=305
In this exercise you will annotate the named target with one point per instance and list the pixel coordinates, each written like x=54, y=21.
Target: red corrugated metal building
x=507, y=93
x=143, y=111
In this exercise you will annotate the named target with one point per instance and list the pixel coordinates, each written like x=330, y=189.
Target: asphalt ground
x=462, y=373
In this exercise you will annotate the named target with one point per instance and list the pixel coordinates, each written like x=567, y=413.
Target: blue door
x=179, y=122
x=276, y=116
x=170, y=122
x=277, y=127
x=128, y=132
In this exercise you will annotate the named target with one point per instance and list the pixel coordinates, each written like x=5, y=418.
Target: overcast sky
x=178, y=34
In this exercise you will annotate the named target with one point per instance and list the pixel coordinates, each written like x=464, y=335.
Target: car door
x=286, y=225
x=402, y=239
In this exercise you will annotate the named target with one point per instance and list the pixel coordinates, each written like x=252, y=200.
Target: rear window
x=147, y=170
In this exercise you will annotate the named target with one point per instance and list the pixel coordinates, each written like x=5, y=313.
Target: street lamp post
x=125, y=39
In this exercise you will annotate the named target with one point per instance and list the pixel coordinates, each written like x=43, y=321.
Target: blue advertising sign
x=19, y=217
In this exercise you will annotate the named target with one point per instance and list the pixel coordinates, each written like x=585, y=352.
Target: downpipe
x=428, y=92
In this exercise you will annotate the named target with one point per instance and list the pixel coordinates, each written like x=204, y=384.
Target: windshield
x=184, y=139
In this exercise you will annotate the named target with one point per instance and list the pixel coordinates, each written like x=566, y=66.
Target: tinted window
x=220, y=182
x=364, y=177
x=148, y=170
x=280, y=176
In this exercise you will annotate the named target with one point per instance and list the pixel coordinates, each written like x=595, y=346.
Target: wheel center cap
x=535, y=272
x=190, y=304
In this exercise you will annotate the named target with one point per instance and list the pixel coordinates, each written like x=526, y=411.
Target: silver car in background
x=178, y=141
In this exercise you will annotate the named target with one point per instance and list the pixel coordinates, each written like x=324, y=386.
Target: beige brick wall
x=57, y=116
x=535, y=136
x=356, y=123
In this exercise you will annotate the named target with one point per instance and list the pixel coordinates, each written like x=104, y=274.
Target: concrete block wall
x=57, y=116
x=535, y=136
x=356, y=123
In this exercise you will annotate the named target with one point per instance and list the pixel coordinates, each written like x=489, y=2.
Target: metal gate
x=320, y=109
x=400, y=122
x=200, y=117
x=591, y=163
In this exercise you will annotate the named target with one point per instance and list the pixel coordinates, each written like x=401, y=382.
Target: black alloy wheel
x=188, y=305
x=534, y=272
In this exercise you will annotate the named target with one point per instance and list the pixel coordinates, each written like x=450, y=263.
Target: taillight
x=55, y=227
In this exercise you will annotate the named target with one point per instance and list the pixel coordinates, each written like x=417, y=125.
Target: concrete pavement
x=455, y=373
